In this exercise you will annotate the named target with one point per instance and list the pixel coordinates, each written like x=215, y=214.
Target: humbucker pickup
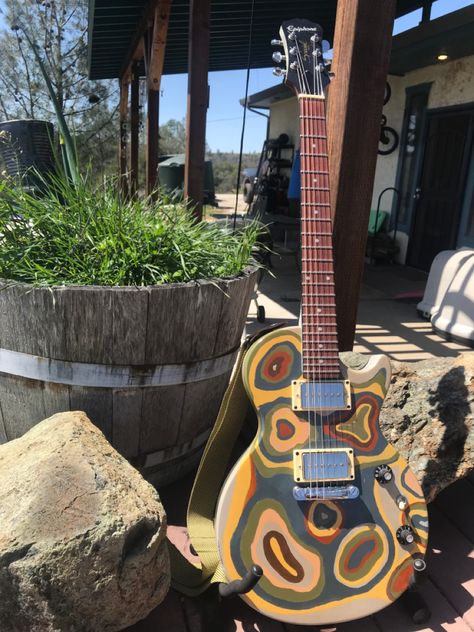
x=323, y=466
x=321, y=396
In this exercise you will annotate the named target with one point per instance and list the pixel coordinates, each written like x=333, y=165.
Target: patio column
x=156, y=57
x=198, y=65
x=123, y=132
x=134, y=120
x=362, y=44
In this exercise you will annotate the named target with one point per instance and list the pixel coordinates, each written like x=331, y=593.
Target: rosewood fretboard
x=319, y=333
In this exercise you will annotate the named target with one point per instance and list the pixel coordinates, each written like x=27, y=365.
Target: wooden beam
x=136, y=42
x=152, y=139
x=362, y=43
x=134, y=122
x=158, y=44
x=155, y=57
x=123, y=134
x=426, y=14
x=198, y=97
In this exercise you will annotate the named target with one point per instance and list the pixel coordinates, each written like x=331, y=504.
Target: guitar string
x=316, y=458
x=307, y=271
x=334, y=416
x=320, y=161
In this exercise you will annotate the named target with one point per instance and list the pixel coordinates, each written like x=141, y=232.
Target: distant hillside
x=225, y=165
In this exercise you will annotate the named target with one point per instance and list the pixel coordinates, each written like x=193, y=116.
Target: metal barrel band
x=112, y=376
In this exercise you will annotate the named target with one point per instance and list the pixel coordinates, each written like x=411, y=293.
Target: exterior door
x=439, y=196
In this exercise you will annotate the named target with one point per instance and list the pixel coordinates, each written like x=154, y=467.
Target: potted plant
x=126, y=309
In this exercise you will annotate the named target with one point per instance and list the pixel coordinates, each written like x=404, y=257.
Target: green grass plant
x=79, y=234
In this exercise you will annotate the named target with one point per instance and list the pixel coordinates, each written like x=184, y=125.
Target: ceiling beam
x=158, y=44
x=144, y=24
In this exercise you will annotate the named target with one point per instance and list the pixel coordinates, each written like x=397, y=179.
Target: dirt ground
x=226, y=206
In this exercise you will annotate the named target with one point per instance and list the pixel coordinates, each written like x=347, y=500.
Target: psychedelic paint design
x=319, y=557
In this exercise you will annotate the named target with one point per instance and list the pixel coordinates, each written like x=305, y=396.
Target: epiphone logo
x=301, y=28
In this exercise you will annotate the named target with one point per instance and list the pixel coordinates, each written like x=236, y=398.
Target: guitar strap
x=188, y=578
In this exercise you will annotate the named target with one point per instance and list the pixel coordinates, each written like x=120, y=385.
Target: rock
x=429, y=416
x=82, y=534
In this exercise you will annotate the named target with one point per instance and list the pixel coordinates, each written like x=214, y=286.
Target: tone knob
x=383, y=474
x=405, y=534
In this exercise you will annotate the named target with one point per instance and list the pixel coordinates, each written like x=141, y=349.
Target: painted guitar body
x=323, y=561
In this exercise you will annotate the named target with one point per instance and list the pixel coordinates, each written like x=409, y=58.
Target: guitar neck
x=319, y=331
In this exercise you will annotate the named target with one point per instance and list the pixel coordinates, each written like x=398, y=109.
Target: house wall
x=452, y=84
x=284, y=119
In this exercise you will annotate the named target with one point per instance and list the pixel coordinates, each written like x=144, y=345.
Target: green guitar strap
x=186, y=577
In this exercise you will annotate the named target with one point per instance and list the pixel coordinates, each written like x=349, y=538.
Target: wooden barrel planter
x=148, y=365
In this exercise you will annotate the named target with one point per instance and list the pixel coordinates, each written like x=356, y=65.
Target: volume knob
x=383, y=474
x=405, y=534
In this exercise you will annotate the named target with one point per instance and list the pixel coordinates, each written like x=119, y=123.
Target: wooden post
x=362, y=43
x=156, y=58
x=152, y=131
x=426, y=14
x=123, y=118
x=198, y=64
x=134, y=120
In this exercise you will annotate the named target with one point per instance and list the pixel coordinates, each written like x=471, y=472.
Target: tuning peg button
x=278, y=57
x=279, y=72
x=276, y=42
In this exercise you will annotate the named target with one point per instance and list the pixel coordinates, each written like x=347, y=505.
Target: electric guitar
x=320, y=501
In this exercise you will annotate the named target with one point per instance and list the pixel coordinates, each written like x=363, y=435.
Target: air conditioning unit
x=444, y=268
x=454, y=320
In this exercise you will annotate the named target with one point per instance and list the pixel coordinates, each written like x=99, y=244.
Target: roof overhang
x=419, y=47
x=113, y=27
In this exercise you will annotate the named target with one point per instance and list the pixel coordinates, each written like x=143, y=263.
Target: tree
x=57, y=28
x=172, y=137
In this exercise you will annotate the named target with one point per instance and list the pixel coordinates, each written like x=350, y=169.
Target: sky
x=224, y=116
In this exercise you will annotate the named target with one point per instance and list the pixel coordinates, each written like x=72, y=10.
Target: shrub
x=77, y=234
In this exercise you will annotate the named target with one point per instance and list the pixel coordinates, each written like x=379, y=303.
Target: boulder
x=429, y=416
x=82, y=534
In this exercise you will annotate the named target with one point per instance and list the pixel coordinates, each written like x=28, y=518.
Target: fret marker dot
x=317, y=241
x=327, y=278
x=320, y=328
x=319, y=310
x=321, y=361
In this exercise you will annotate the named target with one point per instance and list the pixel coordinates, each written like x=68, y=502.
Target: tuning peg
x=315, y=38
x=278, y=57
x=279, y=71
x=276, y=42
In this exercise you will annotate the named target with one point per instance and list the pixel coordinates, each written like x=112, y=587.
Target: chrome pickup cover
x=321, y=396
x=322, y=466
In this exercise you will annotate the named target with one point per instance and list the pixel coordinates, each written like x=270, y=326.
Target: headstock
x=305, y=69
